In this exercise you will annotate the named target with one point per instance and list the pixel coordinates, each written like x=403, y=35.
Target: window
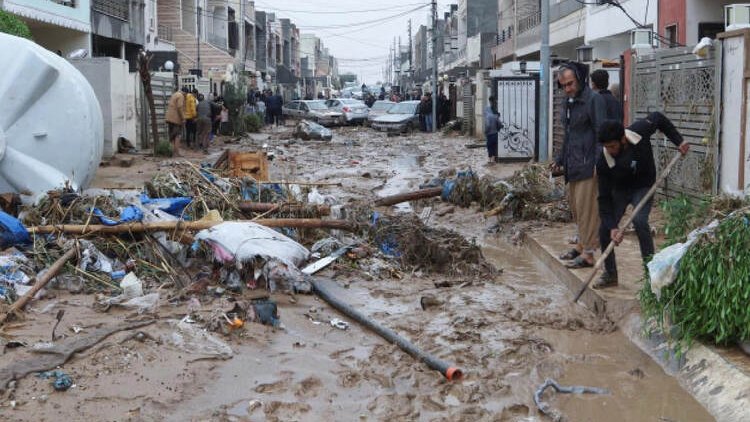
x=670, y=33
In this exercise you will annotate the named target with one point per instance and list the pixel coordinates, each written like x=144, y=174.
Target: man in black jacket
x=626, y=172
x=600, y=84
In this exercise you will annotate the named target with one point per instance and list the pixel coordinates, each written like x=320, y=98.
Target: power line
x=338, y=12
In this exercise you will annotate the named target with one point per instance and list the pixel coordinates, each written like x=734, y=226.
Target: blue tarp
x=13, y=232
x=129, y=214
x=174, y=206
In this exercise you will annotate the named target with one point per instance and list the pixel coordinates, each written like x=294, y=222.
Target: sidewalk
x=719, y=378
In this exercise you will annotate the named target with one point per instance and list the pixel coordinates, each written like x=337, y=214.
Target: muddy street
x=508, y=331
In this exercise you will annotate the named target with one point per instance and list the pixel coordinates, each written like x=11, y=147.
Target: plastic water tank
x=51, y=130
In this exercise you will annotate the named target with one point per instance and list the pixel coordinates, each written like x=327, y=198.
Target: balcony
x=164, y=33
x=118, y=9
x=529, y=22
x=217, y=41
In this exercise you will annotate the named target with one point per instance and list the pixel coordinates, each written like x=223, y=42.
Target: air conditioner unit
x=736, y=16
x=642, y=38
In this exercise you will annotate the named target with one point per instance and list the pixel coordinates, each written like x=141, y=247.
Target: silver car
x=314, y=110
x=402, y=117
x=378, y=109
x=353, y=111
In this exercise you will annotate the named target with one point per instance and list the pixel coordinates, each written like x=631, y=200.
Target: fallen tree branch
x=262, y=207
x=40, y=283
x=55, y=356
x=409, y=196
x=79, y=229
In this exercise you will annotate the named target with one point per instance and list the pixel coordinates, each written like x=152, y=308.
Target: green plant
x=163, y=149
x=709, y=298
x=12, y=25
x=682, y=215
x=235, y=96
x=253, y=123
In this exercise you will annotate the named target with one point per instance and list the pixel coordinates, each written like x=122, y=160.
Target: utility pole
x=544, y=72
x=198, y=41
x=410, y=53
x=434, y=65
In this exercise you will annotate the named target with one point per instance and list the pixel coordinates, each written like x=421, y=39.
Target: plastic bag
x=665, y=265
x=191, y=339
x=13, y=232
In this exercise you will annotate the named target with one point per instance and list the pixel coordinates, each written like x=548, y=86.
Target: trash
x=315, y=197
x=191, y=339
x=174, y=206
x=11, y=264
x=324, y=262
x=307, y=130
x=13, y=231
x=129, y=214
x=429, y=301
x=326, y=246
x=248, y=249
x=61, y=382
x=340, y=324
x=253, y=404
x=131, y=286
x=92, y=260
x=574, y=389
x=142, y=304
x=664, y=266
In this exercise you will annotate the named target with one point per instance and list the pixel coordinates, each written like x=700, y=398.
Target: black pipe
x=448, y=371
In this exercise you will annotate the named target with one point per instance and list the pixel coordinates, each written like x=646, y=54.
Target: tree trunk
x=409, y=196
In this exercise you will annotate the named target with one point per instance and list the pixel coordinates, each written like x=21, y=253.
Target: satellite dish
x=169, y=65
x=80, y=53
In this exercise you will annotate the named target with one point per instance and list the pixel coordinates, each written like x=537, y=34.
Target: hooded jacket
x=581, y=117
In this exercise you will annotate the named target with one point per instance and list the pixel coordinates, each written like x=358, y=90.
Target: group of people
x=196, y=119
x=425, y=112
x=268, y=105
x=605, y=165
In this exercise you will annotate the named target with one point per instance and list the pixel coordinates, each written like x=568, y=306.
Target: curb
x=718, y=384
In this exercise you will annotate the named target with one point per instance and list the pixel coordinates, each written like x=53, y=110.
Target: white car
x=403, y=117
x=378, y=109
x=353, y=111
x=314, y=110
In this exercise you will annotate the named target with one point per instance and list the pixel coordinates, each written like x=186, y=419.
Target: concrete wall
x=606, y=21
x=733, y=59
x=704, y=11
x=673, y=12
x=115, y=89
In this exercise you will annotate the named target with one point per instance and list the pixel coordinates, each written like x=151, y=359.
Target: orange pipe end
x=453, y=374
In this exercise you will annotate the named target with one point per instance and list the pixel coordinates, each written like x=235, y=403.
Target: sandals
x=571, y=254
x=579, y=262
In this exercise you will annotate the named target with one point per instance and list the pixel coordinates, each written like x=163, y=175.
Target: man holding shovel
x=626, y=172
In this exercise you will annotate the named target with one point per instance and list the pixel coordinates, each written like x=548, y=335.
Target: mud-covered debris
x=307, y=130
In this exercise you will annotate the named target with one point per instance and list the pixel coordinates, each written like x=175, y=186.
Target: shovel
x=625, y=223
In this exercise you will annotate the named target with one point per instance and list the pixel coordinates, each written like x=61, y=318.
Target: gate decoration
x=518, y=104
x=685, y=88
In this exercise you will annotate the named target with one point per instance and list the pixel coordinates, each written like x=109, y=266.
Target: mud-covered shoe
x=605, y=280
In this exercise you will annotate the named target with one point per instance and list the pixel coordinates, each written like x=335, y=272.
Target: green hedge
x=10, y=24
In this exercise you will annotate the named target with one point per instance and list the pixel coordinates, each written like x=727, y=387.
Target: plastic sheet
x=129, y=214
x=194, y=340
x=175, y=206
x=13, y=232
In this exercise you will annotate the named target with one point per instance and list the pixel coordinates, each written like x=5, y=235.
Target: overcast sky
x=362, y=49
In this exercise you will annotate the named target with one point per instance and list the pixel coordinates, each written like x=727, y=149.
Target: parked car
x=378, y=109
x=314, y=110
x=402, y=117
x=353, y=111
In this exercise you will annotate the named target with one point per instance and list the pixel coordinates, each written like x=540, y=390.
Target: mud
x=508, y=332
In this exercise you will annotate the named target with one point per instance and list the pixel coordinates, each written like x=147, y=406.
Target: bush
x=12, y=25
x=709, y=298
x=253, y=123
x=163, y=149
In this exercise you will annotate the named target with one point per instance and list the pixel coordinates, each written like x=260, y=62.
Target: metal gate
x=162, y=87
x=518, y=104
x=467, y=126
x=686, y=89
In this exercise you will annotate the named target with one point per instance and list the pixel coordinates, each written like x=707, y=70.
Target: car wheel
x=342, y=121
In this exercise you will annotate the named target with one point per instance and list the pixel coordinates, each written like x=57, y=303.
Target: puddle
x=406, y=177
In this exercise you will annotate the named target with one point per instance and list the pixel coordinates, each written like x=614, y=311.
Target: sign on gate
x=518, y=105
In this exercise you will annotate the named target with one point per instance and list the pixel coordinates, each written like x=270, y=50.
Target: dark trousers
x=190, y=131
x=204, y=130
x=492, y=145
x=621, y=201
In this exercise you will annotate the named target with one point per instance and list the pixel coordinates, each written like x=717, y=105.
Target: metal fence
x=686, y=89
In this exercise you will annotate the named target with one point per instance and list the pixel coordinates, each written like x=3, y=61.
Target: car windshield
x=381, y=106
x=353, y=102
x=403, y=108
x=316, y=105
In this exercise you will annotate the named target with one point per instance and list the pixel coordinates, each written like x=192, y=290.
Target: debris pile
x=529, y=194
x=417, y=246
